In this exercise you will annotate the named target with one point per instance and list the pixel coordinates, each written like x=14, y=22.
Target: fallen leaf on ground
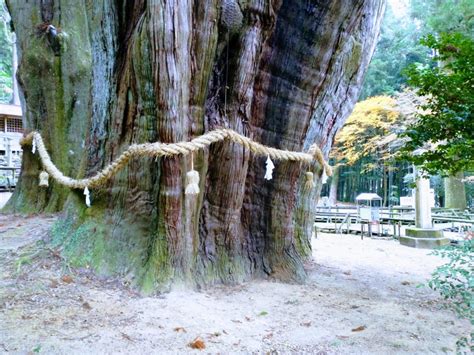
x=306, y=324
x=197, y=343
x=354, y=306
x=87, y=306
x=67, y=279
x=179, y=329
x=126, y=336
x=347, y=273
x=56, y=253
x=359, y=328
x=405, y=283
x=53, y=284
x=342, y=337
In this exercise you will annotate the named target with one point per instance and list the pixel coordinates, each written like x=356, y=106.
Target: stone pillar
x=423, y=235
x=422, y=203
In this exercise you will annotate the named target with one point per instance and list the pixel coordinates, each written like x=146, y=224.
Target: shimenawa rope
x=158, y=149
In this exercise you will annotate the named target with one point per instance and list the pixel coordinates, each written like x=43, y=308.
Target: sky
x=399, y=7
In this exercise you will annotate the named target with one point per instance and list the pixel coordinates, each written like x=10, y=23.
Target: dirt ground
x=361, y=297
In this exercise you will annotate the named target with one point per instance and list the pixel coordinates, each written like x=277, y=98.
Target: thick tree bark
x=285, y=73
x=455, y=192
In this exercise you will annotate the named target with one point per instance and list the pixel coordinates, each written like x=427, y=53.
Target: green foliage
x=6, y=65
x=455, y=281
x=442, y=138
x=398, y=46
x=444, y=16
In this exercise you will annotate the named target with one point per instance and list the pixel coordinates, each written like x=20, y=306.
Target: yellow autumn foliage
x=369, y=122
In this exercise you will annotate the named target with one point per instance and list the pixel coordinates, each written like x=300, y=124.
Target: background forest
x=6, y=56
x=414, y=65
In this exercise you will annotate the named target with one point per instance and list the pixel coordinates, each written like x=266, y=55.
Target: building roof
x=10, y=110
x=368, y=196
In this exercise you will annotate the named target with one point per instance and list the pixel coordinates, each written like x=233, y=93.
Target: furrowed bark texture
x=285, y=73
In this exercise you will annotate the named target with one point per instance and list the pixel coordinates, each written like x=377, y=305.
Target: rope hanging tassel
x=192, y=180
x=309, y=183
x=269, y=168
x=158, y=149
x=43, y=179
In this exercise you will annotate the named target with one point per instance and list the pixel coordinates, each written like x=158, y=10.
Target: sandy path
x=4, y=197
x=353, y=283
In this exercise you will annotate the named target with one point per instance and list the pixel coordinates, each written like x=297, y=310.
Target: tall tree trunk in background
x=285, y=73
x=455, y=192
x=334, y=185
x=15, y=94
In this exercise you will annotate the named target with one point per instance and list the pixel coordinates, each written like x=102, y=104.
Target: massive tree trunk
x=285, y=73
x=455, y=192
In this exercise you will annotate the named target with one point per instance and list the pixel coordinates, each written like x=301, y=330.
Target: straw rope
x=158, y=149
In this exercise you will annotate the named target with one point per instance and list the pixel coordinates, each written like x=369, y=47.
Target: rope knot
x=318, y=156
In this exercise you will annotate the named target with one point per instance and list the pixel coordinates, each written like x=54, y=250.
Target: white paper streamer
x=270, y=167
x=324, y=177
x=88, y=198
x=33, y=148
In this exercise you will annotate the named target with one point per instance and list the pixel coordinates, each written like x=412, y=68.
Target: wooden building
x=11, y=131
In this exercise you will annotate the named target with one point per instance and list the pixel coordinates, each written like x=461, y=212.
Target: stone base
x=423, y=238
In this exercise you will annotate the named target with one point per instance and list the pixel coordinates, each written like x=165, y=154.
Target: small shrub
x=455, y=282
